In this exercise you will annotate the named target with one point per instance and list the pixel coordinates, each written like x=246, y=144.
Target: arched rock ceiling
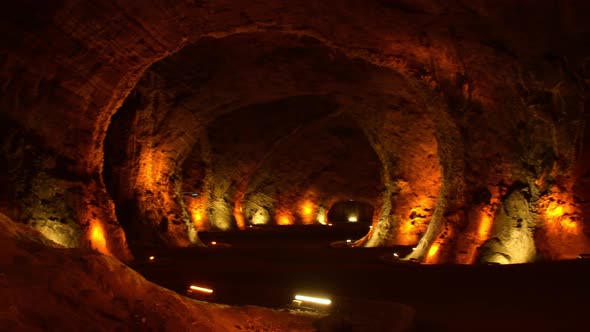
x=178, y=97
x=508, y=89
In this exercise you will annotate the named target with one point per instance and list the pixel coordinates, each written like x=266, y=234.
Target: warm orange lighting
x=352, y=219
x=152, y=258
x=306, y=211
x=307, y=208
x=201, y=289
x=284, y=220
x=213, y=243
x=414, y=210
x=485, y=225
x=568, y=224
x=196, y=207
x=554, y=211
x=558, y=216
x=565, y=237
x=430, y=257
x=239, y=216
x=152, y=165
x=198, y=216
x=97, y=238
x=321, y=216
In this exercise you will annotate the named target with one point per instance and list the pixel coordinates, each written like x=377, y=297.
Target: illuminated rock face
x=96, y=291
x=458, y=104
x=511, y=240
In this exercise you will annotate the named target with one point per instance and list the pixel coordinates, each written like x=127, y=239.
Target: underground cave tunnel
x=223, y=139
x=281, y=151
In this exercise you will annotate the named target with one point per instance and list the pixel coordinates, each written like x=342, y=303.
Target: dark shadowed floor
x=267, y=267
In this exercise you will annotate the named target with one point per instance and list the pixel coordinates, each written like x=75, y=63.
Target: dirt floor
x=268, y=266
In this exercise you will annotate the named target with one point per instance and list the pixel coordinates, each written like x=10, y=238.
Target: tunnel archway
x=179, y=114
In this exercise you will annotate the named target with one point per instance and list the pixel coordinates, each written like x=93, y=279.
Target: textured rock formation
x=269, y=160
x=511, y=240
x=97, y=292
x=460, y=102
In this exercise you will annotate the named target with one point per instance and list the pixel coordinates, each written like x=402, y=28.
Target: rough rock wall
x=67, y=67
x=240, y=142
x=246, y=148
x=328, y=161
x=46, y=287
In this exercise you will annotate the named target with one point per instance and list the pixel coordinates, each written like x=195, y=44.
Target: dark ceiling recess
x=350, y=211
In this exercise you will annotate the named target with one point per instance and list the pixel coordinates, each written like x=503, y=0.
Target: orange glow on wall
x=152, y=165
x=569, y=225
x=198, y=216
x=201, y=289
x=97, y=238
x=240, y=221
x=565, y=238
x=306, y=210
x=239, y=216
x=485, y=225
x=284, y=219
x=413, y=215
x=197, y=210
x=238, y=212
x=432, y=253
x=198, y=219
x=554, y=211
x=558, y=216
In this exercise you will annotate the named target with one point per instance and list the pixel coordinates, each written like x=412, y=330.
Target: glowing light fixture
x=371, y=227
x=201, y=289
x=316, y=300
x=330, y=225
x=151, y=258
x=352, y=219
x=348, y=241
x=213, y=243
x=414, y=249
x=395, y=254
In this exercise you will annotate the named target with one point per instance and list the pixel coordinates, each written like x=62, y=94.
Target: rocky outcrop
x=93, y=291
x=511, y=239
